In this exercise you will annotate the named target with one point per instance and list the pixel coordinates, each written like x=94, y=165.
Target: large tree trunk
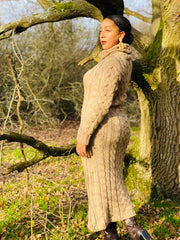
x=165, y=153
x=160, y=112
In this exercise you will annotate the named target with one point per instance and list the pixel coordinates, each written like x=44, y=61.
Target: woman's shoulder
x=115, y=59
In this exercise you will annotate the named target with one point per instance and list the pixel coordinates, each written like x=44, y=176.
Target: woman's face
x=109, y=34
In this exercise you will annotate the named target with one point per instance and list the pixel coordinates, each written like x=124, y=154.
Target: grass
x=53, y=204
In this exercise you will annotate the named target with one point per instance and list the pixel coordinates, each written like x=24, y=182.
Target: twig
x=31, y=210
x=5, y=122
x=19, y=102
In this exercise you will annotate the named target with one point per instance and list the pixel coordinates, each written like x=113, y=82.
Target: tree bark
x=165, y=154
x=166, y=110
x=107, y=7
x=160, y=111
x=46, y=3
x=156, y=13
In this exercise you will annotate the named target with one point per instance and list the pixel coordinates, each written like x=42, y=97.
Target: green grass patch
x=52, y=204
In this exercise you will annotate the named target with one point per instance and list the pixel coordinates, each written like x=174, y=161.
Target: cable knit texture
x=104, y=128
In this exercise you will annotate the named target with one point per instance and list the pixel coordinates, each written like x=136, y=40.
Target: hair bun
x=128, y=38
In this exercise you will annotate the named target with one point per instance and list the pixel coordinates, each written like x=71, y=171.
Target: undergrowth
x=50, y=202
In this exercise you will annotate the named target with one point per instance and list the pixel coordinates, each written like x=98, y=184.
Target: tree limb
x=139, y=79
x=109, y=7
x=21, y=166
x=46, y=3
x=141, y=41
x=60, y=11
x=93, y=56
x=137, y=15
x=45, y=151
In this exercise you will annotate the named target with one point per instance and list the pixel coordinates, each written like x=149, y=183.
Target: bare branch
x=137, y=15
x=60, y=11
x=18, y=91
x=20, y=98
x=21, y=166
x=140, y=81
x=45, y=151
x=37, y=144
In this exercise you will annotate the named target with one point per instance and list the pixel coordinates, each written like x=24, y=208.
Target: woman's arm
x=95, y=108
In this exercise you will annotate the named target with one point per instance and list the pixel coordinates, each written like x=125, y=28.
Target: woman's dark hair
x=124, y=25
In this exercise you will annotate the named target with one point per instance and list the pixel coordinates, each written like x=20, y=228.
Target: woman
x=104, y=132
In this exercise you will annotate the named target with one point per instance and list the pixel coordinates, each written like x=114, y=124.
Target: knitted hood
x=124, y=48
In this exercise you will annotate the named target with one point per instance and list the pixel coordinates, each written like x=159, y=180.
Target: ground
x=50, y=201
x=58, y=135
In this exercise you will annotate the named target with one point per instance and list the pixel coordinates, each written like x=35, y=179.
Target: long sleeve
x=98, y=98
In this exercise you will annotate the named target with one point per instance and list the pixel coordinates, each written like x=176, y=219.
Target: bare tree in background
x=50, y=79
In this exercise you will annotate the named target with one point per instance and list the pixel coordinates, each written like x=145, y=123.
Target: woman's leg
x=135, y=231
x=111, y=232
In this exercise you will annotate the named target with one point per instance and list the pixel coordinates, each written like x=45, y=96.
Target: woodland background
x=41, y=95
x=46, y=59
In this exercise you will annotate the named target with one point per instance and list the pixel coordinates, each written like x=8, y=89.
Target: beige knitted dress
x=105, y=129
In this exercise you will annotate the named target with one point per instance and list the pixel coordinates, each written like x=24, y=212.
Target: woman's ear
x=121, y=36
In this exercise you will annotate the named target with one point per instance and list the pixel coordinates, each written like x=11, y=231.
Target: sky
x=22, y=8
x=27, y=7
x=11, y=10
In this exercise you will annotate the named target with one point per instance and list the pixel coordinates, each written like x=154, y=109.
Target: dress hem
x=112, y=220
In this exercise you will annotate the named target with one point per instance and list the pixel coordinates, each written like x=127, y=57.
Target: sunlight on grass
x=54, y=206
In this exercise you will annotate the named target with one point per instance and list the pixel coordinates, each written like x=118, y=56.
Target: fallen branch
x=45, y=151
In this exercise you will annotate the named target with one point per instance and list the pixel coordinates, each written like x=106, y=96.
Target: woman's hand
x=81, y=150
